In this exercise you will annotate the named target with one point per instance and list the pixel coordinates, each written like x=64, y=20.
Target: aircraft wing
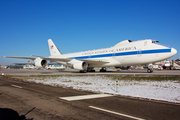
x=32, y=58
x=85, y=60
x=62, y=59
x=93, y=61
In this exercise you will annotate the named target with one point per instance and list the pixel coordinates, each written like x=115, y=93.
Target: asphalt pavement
x=57, y=103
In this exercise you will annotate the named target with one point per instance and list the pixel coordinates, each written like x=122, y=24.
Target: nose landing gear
x=150, y=68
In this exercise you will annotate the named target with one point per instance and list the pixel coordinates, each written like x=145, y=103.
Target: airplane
x=124, y=53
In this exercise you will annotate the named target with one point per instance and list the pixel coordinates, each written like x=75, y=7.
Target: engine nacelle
x=80, y=65
x=40, y=62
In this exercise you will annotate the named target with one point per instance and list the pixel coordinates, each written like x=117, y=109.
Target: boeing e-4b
x=125, y=53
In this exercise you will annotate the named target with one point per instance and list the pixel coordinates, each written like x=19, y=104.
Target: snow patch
x=158, y=90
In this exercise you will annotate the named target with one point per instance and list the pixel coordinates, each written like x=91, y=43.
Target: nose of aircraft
x=173, y=51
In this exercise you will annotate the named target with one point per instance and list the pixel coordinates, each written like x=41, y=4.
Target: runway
x=64, y=104
x=74, y=72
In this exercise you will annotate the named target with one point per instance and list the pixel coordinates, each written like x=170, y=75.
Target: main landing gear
x=88, y=70
x=92, y=70
x=83, y=71
x=103, y=69
x=150, y=68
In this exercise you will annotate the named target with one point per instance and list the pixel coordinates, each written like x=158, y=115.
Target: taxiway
x=59, y=103
x=74, y=72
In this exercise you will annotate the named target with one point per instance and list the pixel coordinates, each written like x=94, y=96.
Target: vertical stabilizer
x=54, y=51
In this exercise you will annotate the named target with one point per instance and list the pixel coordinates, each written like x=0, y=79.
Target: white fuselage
x=124, y=53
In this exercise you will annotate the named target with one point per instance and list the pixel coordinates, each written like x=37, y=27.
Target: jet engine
x=81, y=65
x=40, y=62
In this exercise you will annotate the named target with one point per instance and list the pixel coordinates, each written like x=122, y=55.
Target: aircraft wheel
x=149, y=70
x=82, y=71
x=103, y=70
x=92, y=71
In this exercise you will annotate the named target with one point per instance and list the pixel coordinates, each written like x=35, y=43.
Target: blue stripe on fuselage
x=124, y=53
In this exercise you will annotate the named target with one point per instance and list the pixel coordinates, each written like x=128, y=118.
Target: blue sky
x=80, y=25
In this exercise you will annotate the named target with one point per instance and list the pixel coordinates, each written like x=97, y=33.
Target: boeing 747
x=125, y=53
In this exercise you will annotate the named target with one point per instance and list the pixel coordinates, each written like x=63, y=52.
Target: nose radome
x=173, y=51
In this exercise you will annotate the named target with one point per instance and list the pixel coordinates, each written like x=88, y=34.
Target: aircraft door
x=114, y=54
x=139, y=53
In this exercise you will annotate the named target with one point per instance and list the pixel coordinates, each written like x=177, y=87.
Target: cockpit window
x=129, y=40
x=155, y=41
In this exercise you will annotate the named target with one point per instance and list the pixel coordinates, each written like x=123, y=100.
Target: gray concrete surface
x=75, y=72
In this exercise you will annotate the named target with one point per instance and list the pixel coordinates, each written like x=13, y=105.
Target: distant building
x=48, y=66
x=32, y=66
x=55, y=66
x=29, y=66
x=14, y=66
